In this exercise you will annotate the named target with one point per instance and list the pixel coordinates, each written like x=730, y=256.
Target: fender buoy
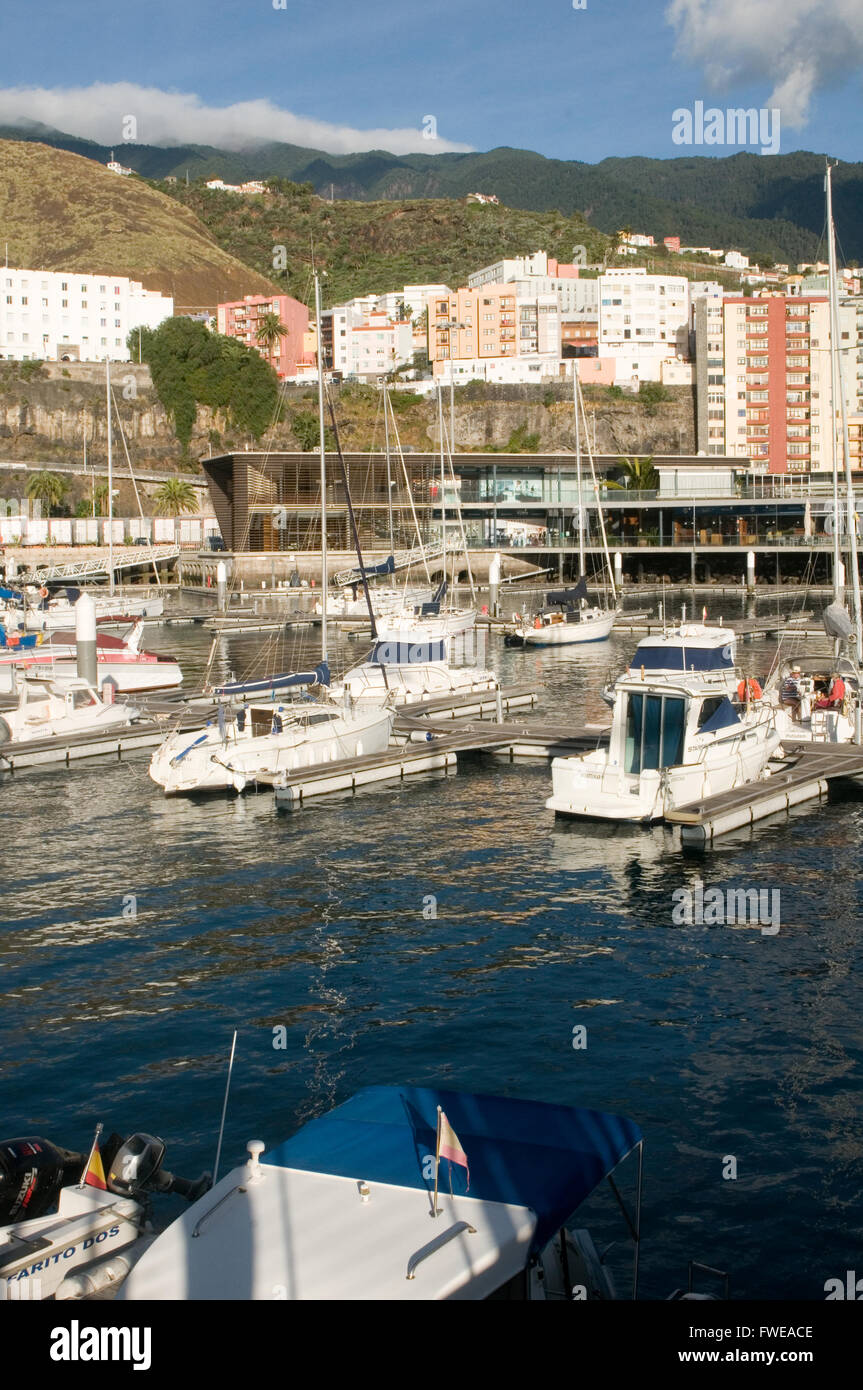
x=537, y=622
x=43, y=592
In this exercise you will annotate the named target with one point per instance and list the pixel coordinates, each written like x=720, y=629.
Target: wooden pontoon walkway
x=805, y=775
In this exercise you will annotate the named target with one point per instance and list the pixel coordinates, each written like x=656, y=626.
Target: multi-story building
x=71, y=316
x=243, y=318
x=367, y=337
x=643, y=321
x=768, y=387
x=468, y=328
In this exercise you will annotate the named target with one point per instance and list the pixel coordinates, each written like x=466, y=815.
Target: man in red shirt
x=834, y=696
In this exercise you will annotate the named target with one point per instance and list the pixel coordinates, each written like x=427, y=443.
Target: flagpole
x=99, y=1129
x=434, y=1210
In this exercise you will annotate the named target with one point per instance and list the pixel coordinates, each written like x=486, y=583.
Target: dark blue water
x=720, y=1041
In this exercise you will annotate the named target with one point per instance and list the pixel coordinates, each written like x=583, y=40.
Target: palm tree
x=639, y=475
x=270, y=331
x=47, y=487
x=175, y=496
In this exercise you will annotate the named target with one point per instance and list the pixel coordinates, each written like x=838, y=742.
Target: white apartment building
x=643, y=321
x=532, y=275
x=65, y=315
x=510, y=268
x=364, y=338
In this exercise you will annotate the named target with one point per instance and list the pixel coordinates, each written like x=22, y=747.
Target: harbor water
x=447, y=931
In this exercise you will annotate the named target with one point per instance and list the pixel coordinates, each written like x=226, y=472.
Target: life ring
x=43, y=592
x=754, y=690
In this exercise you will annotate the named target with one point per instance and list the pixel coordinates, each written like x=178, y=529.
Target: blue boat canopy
x=8, y=595
x=722, y=718
x=521, y=1152
x=394, y=653
x=432, y=608
x=683, y=657
x=320, y=676
x=567, y=598
x=388, y=566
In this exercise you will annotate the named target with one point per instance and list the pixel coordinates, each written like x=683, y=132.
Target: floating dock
x=805, y=776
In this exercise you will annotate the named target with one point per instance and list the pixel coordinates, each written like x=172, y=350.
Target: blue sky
x=570, y=83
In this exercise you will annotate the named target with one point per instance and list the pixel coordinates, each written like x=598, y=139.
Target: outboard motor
x=137, y=1168
x=32, y=1171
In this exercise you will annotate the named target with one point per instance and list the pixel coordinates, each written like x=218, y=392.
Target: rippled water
x=719, y=1041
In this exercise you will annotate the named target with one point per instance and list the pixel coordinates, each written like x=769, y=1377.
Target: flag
x=94, y=1175
x=449, y=1145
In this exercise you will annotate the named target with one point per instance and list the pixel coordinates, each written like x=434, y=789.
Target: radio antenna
x=224, y=1110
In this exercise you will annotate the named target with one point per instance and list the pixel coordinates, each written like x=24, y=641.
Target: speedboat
x=405, y=1194
x=408, y=665
x=61, y=1237
x=265, y=738
x=49, y=708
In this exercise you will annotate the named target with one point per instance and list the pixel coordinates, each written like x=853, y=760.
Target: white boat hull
x=593, y=629
x=204, y=761
x=589, y=787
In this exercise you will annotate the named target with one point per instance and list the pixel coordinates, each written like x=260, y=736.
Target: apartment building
x=643, y=321
x=242, y=319
x=765, y=368
x=470, y=327
x=68, y=316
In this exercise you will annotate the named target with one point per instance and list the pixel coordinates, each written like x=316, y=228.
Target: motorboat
x=406, y=665
x=405, y=1194
x=50, y=708
x=673, y=741
x=62, y=1237
x=41, y=612
x=258, y=736
x=120, y=658
x=697, y=649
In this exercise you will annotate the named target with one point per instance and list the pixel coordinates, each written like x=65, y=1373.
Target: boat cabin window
x=709, y=708
x=321, y=717
x=262, y=722
x=81, y=699
x=654, y=732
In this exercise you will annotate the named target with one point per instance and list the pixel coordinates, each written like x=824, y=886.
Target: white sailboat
x=567, y=617
x=267, y=738
x=52, y=708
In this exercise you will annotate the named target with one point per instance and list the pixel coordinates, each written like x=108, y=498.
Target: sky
x=571, y=79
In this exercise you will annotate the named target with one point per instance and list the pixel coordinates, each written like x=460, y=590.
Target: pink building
x=242, y=319
x=671, y=242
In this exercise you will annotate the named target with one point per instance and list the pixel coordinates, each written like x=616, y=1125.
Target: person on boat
x=790, y=693
x=835, y=695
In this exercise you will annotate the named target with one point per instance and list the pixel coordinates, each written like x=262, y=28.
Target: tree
x=639, y=474
x=48, y=488
x=270, y=331
x=175, y=496
x=651, y=394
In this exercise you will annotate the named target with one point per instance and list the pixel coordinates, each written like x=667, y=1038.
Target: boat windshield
x=654, y=732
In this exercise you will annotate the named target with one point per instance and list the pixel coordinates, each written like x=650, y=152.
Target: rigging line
x=409, y=490
x=131, y=470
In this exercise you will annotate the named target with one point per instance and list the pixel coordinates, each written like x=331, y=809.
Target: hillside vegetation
x=59, y=211
x=764, y=205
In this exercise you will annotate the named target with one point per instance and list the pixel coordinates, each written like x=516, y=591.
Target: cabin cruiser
x=121, y=659
x=676, y=736
x=405, y=1194
x=50, y=708
x=407, y=666
x=264, y=738
x=62, y=1237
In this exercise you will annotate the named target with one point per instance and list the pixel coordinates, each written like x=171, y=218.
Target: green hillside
x=764, y=205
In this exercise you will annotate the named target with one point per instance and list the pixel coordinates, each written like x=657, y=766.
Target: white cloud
x=799, y=46
x=174, y=118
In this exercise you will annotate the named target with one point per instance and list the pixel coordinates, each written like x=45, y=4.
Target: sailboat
x=257, y=736
x=567, y=617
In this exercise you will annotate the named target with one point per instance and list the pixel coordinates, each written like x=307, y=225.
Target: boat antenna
x=224, y=1110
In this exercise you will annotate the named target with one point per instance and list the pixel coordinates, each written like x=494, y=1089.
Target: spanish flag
x=94, y=1175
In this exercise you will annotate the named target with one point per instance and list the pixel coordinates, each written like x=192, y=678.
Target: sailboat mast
x=442, y=477
x=389, y=471
x=834, y=394
x=578, y=474
x=110, y=479
x=839, y=387
x=324, y=576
